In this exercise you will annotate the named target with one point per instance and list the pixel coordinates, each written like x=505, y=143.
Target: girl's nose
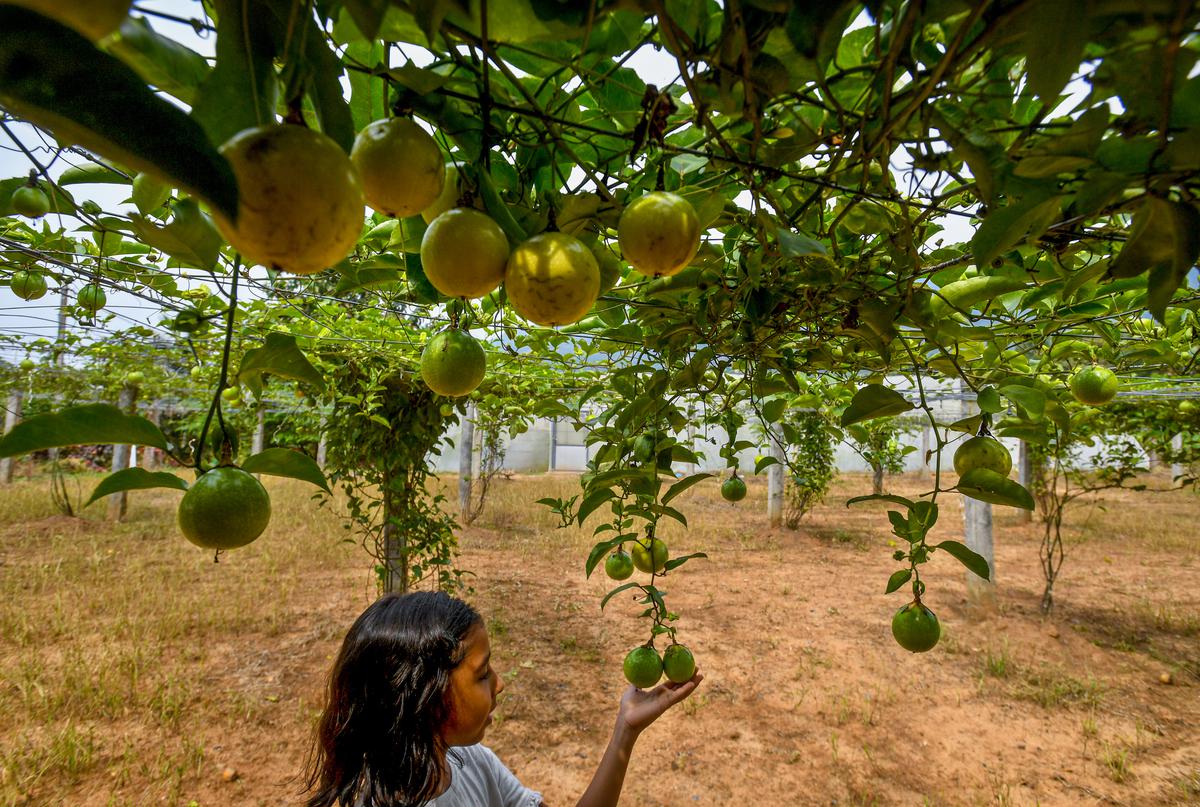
x=499, y=683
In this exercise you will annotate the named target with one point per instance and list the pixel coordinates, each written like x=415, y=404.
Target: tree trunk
x=12, y=416
x=466, y=461
x=118, y=502
x=877, y=480
x=775, y=477
x=395, y=549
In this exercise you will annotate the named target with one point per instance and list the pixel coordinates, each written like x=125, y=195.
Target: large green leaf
x=874, y=401
x=1009, y=226
x=91, y=424
x=279, y=356
x=135, y=479
x=53, y=77
x=1165, y=239
x=988, y=486
x=967, y=557
x=162, y=62
x=190, y=238
x=241, y=90
x=1056, y=32
x=287, y=462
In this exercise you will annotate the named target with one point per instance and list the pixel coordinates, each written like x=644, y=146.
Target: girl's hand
x=641, y=707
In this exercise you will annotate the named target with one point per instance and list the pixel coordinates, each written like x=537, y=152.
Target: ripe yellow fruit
x=95, y=19
x=659, y=233
x=300, y=203
x=464, y=253
x=401, y=166
x=552, y=279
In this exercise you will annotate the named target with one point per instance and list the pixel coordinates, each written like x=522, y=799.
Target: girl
x=410, y=697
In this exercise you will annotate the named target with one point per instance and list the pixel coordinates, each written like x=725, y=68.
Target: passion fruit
x=28, y=285
x=659, y=233
x=618, y=565
x=650, y=559
x=91, y=298
x=733, y=489
x=453, y=363
x=1094, y=385
x=300, y=203
x=401, y=166
x=30, y=202
x=916, y=628
x=982, y=452
x=224, y=509
x=552, y=279
x=679, y=664
x=643, y=667
x=464, y=252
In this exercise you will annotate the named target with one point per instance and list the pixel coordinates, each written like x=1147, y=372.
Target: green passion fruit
x=679, y=664
x=552, y=279
x=916, y=628
x=618, y=565
x=453, y=363
x=982, y=452
x=28, y=285
x=659, y=233
x=643, y=667
x=401, y=166
x=649, y=559
x=1094, y=385
x=32, y=203
x=91, y=298
x=733, y=489
x=224, y=509
x=464, y=253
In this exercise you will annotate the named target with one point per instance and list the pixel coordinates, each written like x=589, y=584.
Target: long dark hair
x=378, y=739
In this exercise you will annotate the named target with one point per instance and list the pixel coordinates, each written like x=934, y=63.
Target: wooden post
x=118, y=503
x=12, y=416
x=466, y=460
x=977, y=535
x=775, y=477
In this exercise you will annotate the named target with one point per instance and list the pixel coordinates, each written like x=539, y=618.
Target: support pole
x=466, y=460
x=977, y=535
x=775, y=478
x=12, y=416
x=553, y=442
x=118, y=503
x=1176, y=449
x=260, y=432
x=152, y=457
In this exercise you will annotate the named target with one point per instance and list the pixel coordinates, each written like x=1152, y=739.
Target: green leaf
x=593, y=500
x=968, y=425
x=874, y=401
x=764, y=463
x=53, y=77
x=367, y=15
x=615, y=592
x=1165, y=239
x=972, y=560
x=91, y=424
x=773, y=410
x=1056, y=32
x=279, y=356
x=989, y=400
x=675, y=563
x=91, y=173
x=793, y=245
x=988, y=486
x=325, y=87
x=966, y=294
x=898, y=579
x=161, y=62
x=682, y=485
x=881, y=497
x=190, y=238
x=1032, y=400
x=241, y=91
x=1009, y=226
x=287, y=462
x=598, y=552
x=135, y=479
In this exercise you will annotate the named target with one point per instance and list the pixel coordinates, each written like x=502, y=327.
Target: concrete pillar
x=322, y=450
x=466, y=459
x=977, y=535
x=927, y=443
x=553, y=442
x=1176, y=448
x=118, y=503
x=775, y=477
x=1024, y=476
x=12, y=416
x=260, y=432
x=152, y=457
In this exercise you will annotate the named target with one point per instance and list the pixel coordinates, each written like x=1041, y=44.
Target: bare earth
x=135, y=671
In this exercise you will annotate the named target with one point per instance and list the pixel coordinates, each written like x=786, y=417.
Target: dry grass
x=133, y=669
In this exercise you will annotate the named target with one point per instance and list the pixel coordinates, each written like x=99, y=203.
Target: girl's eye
x=486, y=675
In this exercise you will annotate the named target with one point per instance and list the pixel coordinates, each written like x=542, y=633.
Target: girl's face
x=474, y=686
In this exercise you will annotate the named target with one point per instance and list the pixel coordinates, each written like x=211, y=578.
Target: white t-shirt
x=483, y=781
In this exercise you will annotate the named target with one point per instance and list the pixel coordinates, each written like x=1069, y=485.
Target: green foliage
x=810, y=463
